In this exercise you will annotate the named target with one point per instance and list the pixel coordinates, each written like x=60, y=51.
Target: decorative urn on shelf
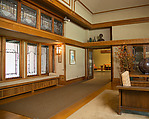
x=144, y=66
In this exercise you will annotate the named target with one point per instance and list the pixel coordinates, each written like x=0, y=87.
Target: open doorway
x=102, y=63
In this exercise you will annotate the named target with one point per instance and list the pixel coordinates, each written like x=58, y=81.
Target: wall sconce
x=58, y=50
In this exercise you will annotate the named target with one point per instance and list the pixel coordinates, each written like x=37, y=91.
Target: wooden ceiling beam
x=21, y=28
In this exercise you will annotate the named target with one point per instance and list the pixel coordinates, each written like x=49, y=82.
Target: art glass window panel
x=90, y=63
x=28, y=15
x=58, y=27
x=138, y=52
x=72, y=57
x=8, y=9
x=12, y=59
x=44, y=59
x=31, y=59
x=46, y=22
x=147, y=52
x=53, y=59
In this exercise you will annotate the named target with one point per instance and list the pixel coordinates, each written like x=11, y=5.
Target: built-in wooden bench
x=12, y=88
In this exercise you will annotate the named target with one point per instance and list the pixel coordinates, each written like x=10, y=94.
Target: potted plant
x=125, y=57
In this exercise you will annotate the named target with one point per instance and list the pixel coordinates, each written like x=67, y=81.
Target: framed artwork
x=72, y=57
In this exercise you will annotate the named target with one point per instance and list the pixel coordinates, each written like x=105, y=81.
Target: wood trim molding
x=22, y=59
x=13, y=26
x=0, y=58
x=116, y=43
x=68, y=3
x=50, y=59
x=82, y=5
x=64, y=62
x=72, y=81
x=39, y=59
x=16, y=27
x=120, y=22
x=66, y=11
x=121, y=9
x=3, y=57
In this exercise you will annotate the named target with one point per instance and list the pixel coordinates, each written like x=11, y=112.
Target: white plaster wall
x=77, y=70
x=132, y=31
x=121, y=15
x=95, y=33
x=59, y=67
x=83, y=12
x=75, y=32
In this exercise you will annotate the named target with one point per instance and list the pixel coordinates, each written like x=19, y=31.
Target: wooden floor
x=62, y=115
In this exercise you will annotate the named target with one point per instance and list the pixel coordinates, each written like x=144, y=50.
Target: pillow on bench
x=126, y=79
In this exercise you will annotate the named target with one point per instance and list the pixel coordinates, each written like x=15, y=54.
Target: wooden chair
x=133, y=95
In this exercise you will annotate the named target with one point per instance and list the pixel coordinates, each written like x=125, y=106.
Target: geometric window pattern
x=28, y=15
x=44, y=59
x=58, y=27
x=12, y=59
x=46, y=22
x=8, y=9
x=31, y=59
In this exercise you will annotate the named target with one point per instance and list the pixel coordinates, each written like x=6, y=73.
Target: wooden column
x=25, y=60
x=55, y=61
x=38, y=19
x=39, y=59
x=64, y=62
x=22, y=65
x=52, y=25
x=19, y=12
x=0, y=58
x=3, y=57
x=86, y=74
x=50, y=59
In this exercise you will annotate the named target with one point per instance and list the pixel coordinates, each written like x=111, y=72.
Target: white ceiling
x=105, y=5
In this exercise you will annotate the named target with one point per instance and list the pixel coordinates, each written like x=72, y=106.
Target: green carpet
x=47, y=104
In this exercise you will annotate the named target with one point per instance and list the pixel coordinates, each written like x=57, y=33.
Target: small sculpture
x=94, y=39
x=90, y=40
x=100, y=37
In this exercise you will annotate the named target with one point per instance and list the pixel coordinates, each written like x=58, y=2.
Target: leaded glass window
x=31, y=59
x=46, y=22
x=8, y=9
x=28, y=15
x=44, y=59
x=58, y=27
x=12, y=59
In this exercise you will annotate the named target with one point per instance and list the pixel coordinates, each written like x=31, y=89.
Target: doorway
x=102, y=62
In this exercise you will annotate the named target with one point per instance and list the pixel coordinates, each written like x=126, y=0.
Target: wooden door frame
x=88, y=50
